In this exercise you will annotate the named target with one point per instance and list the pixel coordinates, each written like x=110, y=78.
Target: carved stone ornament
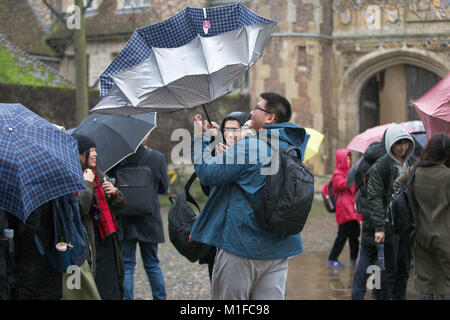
x=442, y=5
x=372, y=16
x=345, y=16
x=363, y=4
x=428, y=9
x=392, y=17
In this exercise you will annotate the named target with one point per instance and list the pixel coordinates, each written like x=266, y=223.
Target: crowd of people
x=384, y=166
x=247, y=261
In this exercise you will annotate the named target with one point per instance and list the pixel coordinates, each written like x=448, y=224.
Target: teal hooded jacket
x=227, y=220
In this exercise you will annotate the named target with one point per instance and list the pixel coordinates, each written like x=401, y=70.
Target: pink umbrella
x=363, y=140
x=434, y=108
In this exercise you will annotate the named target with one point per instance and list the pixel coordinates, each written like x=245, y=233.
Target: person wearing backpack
x=347, y=218
x=147, y=230
x=397, y=251
x=251, y=262
x=368, y=248
x=99, y=203
x=431, y=244
x=35, y=278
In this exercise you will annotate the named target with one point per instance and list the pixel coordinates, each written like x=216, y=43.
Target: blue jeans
x=367, y=257
x=149, y=252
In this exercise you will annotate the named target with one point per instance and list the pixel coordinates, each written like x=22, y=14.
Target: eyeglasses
x=232, y=130
x=258, y=107
x=403, y=141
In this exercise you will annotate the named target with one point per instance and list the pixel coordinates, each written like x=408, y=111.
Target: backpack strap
x=188, y=194
x=288, y=149
x=411, y=175
x=298, y=152
x=142, y=161
x=386, y=170
x=411, y=199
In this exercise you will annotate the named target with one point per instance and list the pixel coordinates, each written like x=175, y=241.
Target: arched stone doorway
x=389, y=94
x=370, y=70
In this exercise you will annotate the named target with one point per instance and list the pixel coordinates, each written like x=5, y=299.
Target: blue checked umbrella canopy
x=190, y=59
x=38, y=162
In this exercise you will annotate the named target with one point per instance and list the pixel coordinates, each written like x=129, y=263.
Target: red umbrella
x=434, y=108
x=363, y=140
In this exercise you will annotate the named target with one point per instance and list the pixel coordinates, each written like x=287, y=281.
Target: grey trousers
x=236, y=278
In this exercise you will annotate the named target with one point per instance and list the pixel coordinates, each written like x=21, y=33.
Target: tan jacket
x=431, y=189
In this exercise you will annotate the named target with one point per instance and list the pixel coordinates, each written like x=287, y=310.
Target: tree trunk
x=81, y=82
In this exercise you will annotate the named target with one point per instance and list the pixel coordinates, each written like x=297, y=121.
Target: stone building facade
x=345, y=65
x=386, y=55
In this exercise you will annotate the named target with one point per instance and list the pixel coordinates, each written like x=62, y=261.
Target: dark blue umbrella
x=191, y=59
x=116, y=137
x=38, y=162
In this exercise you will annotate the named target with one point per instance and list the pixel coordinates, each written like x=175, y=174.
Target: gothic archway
x=358, y=75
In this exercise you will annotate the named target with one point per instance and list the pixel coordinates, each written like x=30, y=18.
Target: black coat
x=35, y=278
x=146, y=228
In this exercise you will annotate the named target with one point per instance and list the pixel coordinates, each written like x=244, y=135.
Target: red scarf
x=106, y=223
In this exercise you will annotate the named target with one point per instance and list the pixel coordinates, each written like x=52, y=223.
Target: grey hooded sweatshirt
x=383, y=174
x=394, y=133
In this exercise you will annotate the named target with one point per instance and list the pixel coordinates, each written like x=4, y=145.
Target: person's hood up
x=290, y=132
x=394, y=133
x=239, y=116
x=341, y=160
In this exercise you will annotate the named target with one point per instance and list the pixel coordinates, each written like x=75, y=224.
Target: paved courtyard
x=308, y=277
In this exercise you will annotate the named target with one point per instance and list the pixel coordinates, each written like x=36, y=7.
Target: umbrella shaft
x=206, y=113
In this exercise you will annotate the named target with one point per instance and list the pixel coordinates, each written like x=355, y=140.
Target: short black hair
x=278, y=105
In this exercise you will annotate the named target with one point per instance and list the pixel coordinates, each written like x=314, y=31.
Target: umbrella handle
x=206, y=113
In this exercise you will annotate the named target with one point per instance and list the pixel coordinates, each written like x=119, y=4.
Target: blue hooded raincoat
x=227, y=220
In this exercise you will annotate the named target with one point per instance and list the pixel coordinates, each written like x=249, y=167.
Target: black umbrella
x=116, y=137
x=352, y=172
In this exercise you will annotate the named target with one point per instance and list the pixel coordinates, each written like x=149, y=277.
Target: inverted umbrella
x=434, y=108
x=38, y=162
x=188, y=60
x=116, y=136
x=363, y=140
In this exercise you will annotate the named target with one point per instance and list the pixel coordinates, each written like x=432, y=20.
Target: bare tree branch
x=54, y=11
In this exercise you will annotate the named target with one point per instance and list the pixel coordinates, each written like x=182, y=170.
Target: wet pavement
x=308, y=277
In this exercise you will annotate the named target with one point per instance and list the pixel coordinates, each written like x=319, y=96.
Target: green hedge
x=56, y=105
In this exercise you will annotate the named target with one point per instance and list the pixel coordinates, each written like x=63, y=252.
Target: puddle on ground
x=310, y=279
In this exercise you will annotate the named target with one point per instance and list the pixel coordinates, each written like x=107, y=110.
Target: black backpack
x=136, y=182
x=402, y=209
x=181, y=220
x=69, y=229
x=329, y=199
x=287, y=196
